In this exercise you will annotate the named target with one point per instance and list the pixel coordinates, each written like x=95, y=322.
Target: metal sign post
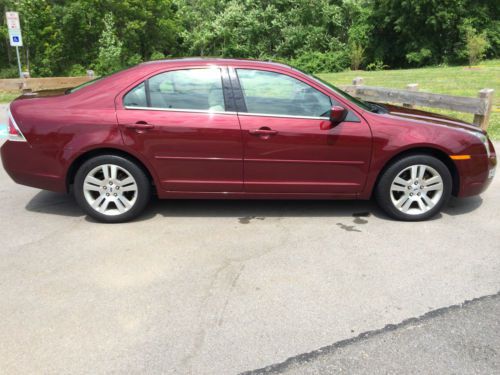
x=15, y=37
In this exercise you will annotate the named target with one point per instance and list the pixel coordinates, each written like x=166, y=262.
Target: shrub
x=9, y=73
x=376, y=65
x=419, y=58
x=157, y=56
x=76, y=70
x=357, y=55
x=321, y=62
x=134, y=59
x=476, y=45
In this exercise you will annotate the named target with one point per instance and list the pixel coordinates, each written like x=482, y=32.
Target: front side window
x=278, y=94
x=189, y=89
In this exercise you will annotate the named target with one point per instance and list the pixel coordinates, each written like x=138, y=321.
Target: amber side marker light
x=460, y=157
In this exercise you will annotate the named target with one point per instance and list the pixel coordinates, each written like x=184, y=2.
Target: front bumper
x=477, y=173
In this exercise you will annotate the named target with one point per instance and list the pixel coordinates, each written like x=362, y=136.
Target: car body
x=243, y=143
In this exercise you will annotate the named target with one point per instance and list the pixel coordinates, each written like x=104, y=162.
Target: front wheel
x=414, y=188
x=112, y=188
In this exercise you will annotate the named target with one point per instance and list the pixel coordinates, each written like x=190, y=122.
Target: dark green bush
x=320, y=62
x=9, y=73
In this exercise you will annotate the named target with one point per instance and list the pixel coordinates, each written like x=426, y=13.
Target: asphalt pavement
x=224, y=287
x=460, y=339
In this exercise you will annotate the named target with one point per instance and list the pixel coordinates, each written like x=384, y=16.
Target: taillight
x=14, y=134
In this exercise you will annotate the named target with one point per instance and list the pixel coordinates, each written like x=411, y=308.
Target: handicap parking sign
x=16, y=40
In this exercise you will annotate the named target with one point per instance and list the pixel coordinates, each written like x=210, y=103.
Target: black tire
x=143, y=188
x=384, y=196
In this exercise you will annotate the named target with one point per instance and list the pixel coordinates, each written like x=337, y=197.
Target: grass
x=457, y=80
x=6, y=97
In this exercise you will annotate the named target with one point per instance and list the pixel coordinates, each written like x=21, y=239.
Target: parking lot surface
x=460, y=339
x=222, y=287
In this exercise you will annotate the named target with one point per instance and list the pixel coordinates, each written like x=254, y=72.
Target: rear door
x=286, y=149
x=184, y=123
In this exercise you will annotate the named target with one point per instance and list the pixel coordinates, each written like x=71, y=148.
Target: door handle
x=263, y=131
x=140, y=125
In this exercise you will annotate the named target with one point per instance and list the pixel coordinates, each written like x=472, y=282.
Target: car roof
x=215, y=60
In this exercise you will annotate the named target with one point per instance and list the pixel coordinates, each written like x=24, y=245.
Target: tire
x=414, y=188
x=111, y=189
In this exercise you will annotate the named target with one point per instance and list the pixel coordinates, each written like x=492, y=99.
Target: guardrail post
x=25, y=86
x=482, y=120
x=411, y=87
x=358, y=81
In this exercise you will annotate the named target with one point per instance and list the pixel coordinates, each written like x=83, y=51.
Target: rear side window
x=279, y=94
x=189, y=89
x=136, y=97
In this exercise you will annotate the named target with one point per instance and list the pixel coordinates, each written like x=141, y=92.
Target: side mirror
x=337, y=115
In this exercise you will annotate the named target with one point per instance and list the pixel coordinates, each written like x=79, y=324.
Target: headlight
x=484, y=140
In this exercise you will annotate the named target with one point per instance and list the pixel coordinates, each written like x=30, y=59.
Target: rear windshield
x=85, y=84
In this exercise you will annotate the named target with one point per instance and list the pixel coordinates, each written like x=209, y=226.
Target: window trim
x=206, y=111
x=225, y=86
x=282, y=116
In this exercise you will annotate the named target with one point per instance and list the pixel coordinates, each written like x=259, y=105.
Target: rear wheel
x=112, y=188
x=414, y=188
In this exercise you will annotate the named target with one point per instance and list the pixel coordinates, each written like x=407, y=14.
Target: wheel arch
x=430, y=151
x=78, y=162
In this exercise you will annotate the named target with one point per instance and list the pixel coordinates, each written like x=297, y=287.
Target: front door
x=179, y=120
x=285, y=148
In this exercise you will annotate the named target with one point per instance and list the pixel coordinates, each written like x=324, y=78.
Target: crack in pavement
x=329, y=349
x=211, y=317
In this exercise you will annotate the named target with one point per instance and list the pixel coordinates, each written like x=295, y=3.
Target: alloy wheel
x=416, y=189
x=110, y=189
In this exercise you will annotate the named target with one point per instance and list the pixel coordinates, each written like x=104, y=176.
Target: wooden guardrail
x=37, y=84
x=481, y=106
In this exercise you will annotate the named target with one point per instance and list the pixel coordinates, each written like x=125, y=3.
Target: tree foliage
x=63, y=37
x=476, y=46
x=110, y=48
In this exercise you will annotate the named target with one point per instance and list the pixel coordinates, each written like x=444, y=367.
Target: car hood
x=427, y=117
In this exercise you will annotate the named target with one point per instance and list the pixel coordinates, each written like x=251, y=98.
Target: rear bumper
x=31, y=167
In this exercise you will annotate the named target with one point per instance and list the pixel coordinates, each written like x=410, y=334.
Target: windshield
x=360, y=103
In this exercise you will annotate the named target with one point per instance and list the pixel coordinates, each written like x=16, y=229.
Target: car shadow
x=48, y=202
x=460, y=206
x=244, y=210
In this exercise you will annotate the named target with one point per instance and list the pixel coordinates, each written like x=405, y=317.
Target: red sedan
x=217, y=128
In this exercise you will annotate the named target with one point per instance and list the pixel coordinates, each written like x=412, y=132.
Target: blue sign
x=16, y=40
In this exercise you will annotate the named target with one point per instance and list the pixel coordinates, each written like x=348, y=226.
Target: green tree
x=42, y=37
x=110, y=48
x=427, y=31
x=63, y=37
